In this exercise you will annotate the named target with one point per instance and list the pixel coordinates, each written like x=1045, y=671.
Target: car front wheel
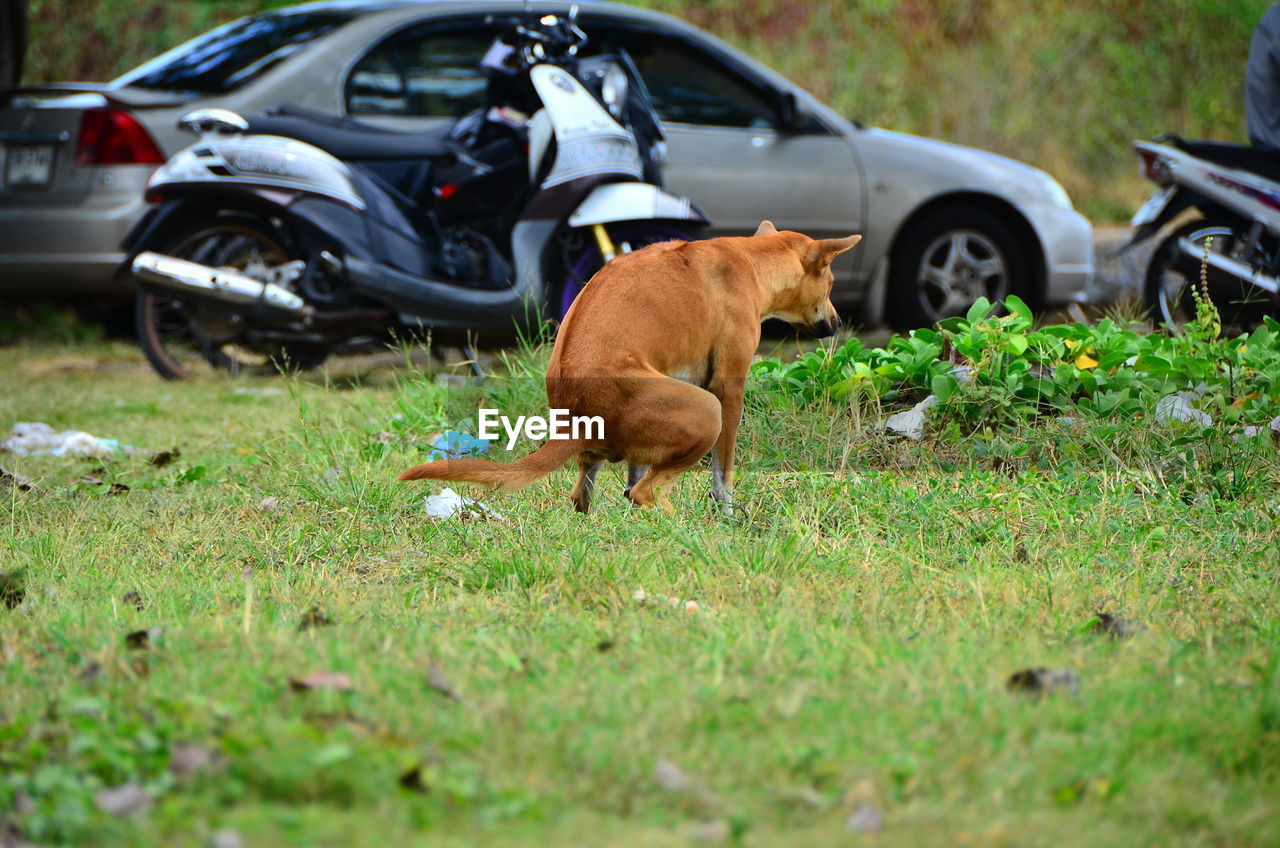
x=947, y=260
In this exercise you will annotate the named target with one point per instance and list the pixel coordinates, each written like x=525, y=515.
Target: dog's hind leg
x=645, y=493
x=634, y=475
x=681, y=424
x=588, y=467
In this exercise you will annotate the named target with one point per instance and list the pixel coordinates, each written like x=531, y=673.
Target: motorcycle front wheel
x=627, y=238
x=1172, y=278
x=184, y=340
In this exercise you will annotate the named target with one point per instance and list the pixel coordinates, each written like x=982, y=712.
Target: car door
x=725, y=149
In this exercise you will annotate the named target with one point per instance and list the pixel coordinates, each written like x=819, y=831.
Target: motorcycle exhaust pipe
x=222, y=284
x=1237, y=270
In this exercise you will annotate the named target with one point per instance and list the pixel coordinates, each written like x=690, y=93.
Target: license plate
x=28, y=165
x=1151, y=210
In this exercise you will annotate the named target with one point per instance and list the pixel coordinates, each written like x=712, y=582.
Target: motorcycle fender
x=334, y=226
x=175, y=212
x=258, y=162
x=613, y=202
x=1180, y=201
x=142, y=228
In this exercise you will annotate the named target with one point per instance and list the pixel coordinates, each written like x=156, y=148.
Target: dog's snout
x=826, y=327
x=828, y=324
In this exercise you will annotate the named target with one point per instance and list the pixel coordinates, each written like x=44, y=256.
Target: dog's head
x=803, y=296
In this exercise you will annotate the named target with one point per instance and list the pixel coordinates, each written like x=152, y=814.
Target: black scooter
x=282, y=239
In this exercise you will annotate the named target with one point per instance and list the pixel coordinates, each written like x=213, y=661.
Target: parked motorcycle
x=1236, y=191
x=285, y=238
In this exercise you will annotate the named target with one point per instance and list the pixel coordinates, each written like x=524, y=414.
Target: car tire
x=174, y=344
x=946, y=260
x=585, y=262
x=13, y=40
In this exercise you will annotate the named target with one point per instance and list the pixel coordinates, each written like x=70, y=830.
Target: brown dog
x=658, y=345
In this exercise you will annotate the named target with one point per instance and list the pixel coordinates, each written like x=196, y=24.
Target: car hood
x=952, y=167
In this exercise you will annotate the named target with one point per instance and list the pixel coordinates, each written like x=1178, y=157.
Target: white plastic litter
x=1178, y=408
x=1272, y=428
x=450, y=504
x=911, y=422
x=33, y=439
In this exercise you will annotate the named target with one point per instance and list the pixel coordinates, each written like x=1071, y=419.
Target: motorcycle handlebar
x=570, y=34
x=532, y=34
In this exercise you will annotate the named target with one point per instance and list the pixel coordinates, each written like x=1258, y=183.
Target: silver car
x=942, y=224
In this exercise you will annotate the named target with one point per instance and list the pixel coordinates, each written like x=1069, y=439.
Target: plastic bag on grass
x=35, y=439
x=450, y=504
x=454, y=444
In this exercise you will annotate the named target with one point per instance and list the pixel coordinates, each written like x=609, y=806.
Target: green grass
x=855, y=632
x=1063, y=84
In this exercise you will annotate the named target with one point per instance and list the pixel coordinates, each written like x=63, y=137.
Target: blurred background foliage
x=1063, y=84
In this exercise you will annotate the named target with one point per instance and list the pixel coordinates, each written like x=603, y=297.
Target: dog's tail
x=505, y=476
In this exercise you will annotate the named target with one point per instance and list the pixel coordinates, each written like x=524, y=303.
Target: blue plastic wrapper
x=454, y=444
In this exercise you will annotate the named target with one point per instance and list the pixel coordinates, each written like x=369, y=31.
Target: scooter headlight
x=613, y=90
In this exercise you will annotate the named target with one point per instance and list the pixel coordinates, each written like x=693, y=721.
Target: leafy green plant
x=992, y=368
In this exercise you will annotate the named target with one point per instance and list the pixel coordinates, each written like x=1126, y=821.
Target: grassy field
x=845, y=667
x=1063, y=84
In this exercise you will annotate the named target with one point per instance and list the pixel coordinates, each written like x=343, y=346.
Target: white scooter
x=286, y=237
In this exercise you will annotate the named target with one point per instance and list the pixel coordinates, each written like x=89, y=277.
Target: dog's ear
x=766, y=228
x=822, y=251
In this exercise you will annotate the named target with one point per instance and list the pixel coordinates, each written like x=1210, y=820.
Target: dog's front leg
x=729, y=393
x=588, y=466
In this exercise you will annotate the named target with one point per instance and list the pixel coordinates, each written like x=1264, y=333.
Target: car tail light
x=115, y=137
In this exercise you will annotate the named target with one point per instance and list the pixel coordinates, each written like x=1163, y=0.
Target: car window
x=425, y=71
x=687, y=85
x=433, y=70
x=228, y=57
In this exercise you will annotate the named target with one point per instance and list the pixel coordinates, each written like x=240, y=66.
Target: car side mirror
x=793, y=112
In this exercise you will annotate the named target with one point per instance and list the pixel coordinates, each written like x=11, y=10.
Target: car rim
x=959, y=267
x=190, y=352
x=589, y=261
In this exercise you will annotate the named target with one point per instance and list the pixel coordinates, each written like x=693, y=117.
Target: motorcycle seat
x=1241, y=156
x=351, y=140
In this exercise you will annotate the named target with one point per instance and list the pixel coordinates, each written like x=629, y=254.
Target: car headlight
x=613, y=90
x=1057, y=194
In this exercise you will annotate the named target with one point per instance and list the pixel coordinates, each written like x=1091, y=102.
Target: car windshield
x=230, y=56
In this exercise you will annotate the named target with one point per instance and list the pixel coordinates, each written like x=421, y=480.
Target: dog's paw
x=724, y=499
